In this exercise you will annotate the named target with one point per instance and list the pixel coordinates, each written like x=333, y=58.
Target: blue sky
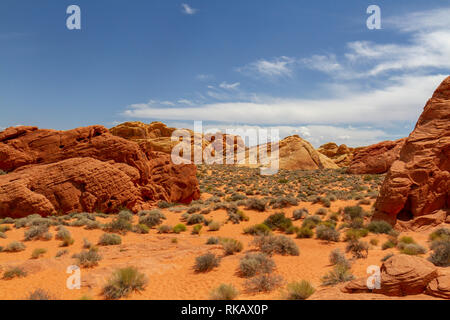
x=311, y=68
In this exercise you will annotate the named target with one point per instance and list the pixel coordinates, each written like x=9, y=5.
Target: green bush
x=179, y=228
x=255, y=263
x=305, y=232
x=119, y=225
x=379, y=227
x=355, y=234
x=151, y=218
x=38, y=252
x=224, y=292
x=214, y=226
x=140, y=229
x=352, y=212
x=388, y=244
x=278, y=221
x=299, y=290
x=123, y=282
x=109, y=239
x=263, y=283
x=413, y=249
x=197, y=229
x=14, y=246
x=258, y=229
x=359, y=249
x=327, y=233
x=212, y=240
x=87, y=259
x=256, y=204
x=231, y=246
x=37, y=232
x=39, y=294
x=440, y=234
x=206, y=262
x=340, y=273
x=276, y=244
x=441, y=253
x=195, y=219
x=14, y=272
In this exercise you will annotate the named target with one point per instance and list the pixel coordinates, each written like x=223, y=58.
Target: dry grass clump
x=123, y=282
x=276, y=244
x=206, y=262
x=224, y=292
x=299, y=290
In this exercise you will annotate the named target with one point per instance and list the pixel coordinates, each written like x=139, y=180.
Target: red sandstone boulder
x=401, y=275
x=376, y=158
x=85, y=169
x=418, y=184
x=440, y=287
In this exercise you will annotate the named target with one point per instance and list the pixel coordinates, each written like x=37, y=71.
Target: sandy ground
x=169, y=266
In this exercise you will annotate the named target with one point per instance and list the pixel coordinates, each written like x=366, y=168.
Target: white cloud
x=187, y=9
x=229, y=86
x=186, y=102
x=427, y=48
x=278, y=67
x=402, y=99
x=322, y=63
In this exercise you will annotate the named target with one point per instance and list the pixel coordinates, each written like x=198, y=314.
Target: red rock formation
x=418, y=184
x=85, y=169
x=401, y=275
x=376, y=158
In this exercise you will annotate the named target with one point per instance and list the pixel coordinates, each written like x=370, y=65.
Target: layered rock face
x=341, y=155
x=85, y=169
x=403, y=275
x=377, y=158
x=418, y=183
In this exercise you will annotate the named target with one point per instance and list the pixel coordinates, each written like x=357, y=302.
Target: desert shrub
x=256, y=204
x=64, y=235
x=406, y=240
x=60, y=253
x=299, y=290
x=263, y=283
x=276, y=244
x=379, y=227
x=87, y=259
x=388, y=244
x=126, y=215
x=195, y=219
x=440, y=234
x=140, y=229
x=39, y=294
x=327, y=233
x=86, y=244
x=38, y=252
x=441, y=253
x=206, y=262
x=14, y=246
x=179, y=228
x=214, y=226
x=337, y=256
x=123, y=282
x=278, y=221
x=212, y=240
x=224, y=292
x=357, y=223
x=91, y=225
x=197, y=229
x=325, y=202
x=255, y=263
x=37, y=232
x=283, y=202
x=109, y=239
x=413, y=249
x=340, y=273
x=305, y=232
x=299, y=213
x=205, y=211
x=374, y=242
x=311, y=221
x=119, y=225
x=352, y=212
x=14, y=272
x=164, y=228
x=193, y=209
x=231, y=246
x=237, y=216
x=4, y=228
x=359, y=249
x=3, y=235
x=164, y=204
x=151, y=218
x=321, y=212
x=355, y=234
